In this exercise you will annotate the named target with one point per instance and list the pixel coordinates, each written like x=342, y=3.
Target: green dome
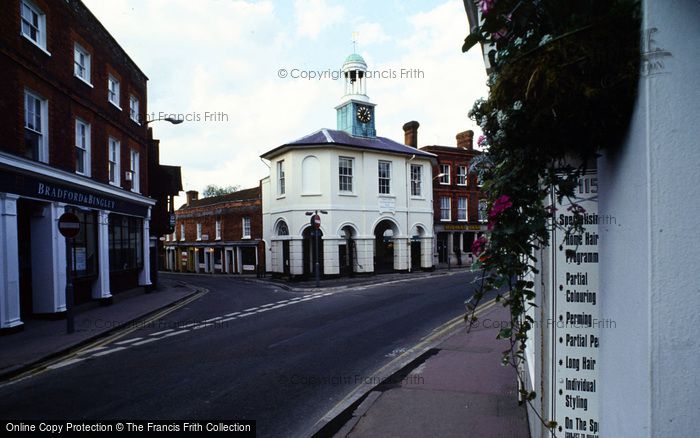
x=355, y=58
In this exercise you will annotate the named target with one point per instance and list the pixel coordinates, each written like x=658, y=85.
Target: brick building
x=218, y=234
x=72, y=136
x=460, y=214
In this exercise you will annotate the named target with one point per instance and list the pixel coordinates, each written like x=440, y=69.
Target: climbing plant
x=562, y=79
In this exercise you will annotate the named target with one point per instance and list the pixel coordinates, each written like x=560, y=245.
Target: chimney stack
x=465, y=140
x=192, y=195
x=410, y=131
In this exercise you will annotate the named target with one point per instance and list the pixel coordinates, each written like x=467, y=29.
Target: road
x=244, y=351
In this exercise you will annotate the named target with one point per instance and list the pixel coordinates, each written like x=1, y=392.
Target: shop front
x=109, y=255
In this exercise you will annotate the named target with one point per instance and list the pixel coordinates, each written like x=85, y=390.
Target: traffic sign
x=316, y=221
x=69, y=225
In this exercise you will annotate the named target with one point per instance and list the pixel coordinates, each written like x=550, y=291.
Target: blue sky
x=223, y=57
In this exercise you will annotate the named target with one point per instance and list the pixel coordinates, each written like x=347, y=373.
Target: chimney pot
x=410, y=131
x=465, y=140
x=192, y=195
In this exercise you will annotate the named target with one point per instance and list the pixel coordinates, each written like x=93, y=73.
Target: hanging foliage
x=563, y=82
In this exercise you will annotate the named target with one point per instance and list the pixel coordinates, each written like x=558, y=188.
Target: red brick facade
x=25, y=66
x=453, y=236
x=230, y=211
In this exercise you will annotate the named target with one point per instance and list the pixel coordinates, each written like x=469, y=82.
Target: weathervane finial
x=354, y=42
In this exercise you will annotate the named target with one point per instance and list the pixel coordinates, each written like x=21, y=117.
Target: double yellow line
x=130, y=328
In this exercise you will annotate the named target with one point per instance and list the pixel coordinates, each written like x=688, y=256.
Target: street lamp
x=154, y=275
x=316, y=223
x=172, y=120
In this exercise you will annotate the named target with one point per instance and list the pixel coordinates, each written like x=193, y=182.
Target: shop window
x=85, y=246
x=125, y=243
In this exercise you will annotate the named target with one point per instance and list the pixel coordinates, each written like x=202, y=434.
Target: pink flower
x=550, y=209
x=479, y=245
x=501, y=204
x=486, y=5
x=481, y=140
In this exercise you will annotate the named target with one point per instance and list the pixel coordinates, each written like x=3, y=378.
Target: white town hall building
x=374, y=196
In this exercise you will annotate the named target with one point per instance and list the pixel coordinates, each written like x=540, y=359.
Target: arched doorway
x=312, y=237
x=347, y=251
x=417, y=247
x=384, y=234
x=283, y=230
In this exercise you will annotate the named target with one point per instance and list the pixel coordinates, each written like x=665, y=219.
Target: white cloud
x=370, y=33
x=217, y=56
x=314, y=16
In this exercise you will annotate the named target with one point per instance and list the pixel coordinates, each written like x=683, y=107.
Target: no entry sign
x=69, y=225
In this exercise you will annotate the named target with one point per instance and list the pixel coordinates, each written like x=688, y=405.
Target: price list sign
x=575, y=317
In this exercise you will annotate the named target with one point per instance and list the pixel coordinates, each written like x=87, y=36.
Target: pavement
x=459, y=390
x=41, y=340
x=456, y=389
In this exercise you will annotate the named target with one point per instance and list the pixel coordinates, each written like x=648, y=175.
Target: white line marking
x=232, y=314
x=277, y=307
x=65, y=363
x=92, y=350
x=128, y=341
x=145, y=341
x=267, y=305
x=213, y=319
x=175, y=333
x=202, y=326
x=229, y=319
x=326, y=294
x=188, y=325
x=161, y=332
x=106, y=352
x=251, y=309
x=281, y=302
x=243, y=315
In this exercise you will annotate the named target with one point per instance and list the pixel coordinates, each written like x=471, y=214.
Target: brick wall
x=454, y=157
x=24, y=65
x=229, y=211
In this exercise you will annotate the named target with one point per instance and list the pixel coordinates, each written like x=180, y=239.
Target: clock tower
x=355, y=113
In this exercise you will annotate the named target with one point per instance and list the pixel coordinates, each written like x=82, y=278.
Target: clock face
x=364, y=115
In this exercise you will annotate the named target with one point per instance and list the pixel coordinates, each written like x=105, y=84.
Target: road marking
x=201, y=326
x=92, y=350
x=175, y=333
x=229, y=319
x=396, y=364
x=243, y=315
x=232, y=314
x=128, y=341
x=146, y=341
x=268, y=305
x=65, y=363
x=280, y=302
x=106, y=352
x=161, y=332
x=212, y=319
x=189, y=325
x=248, y=310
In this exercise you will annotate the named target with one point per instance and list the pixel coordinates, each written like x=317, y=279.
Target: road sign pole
x=70, y=318
x=69, y=227
x=318, y=271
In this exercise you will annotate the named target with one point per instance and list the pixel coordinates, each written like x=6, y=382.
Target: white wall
x=361, y=208
x=650, y=254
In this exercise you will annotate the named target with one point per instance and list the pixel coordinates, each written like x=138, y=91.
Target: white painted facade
x=316, y=187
